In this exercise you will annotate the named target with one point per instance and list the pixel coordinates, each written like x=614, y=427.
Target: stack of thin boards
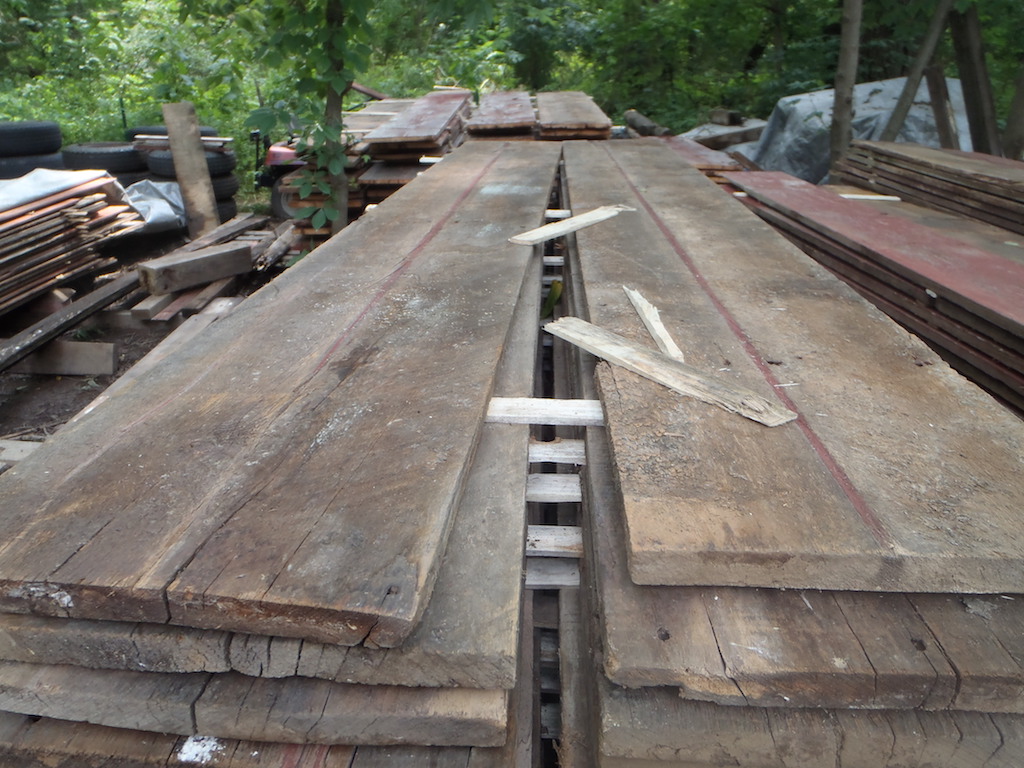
x=711, y=162
x=844, y=589
x=280, y=533
x=966, y=299
x=565, y=115
x=433, y=125
x=503, y=115
x=48, y=241
x=972, y=184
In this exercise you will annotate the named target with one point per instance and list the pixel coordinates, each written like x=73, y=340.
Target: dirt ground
x=32, y=407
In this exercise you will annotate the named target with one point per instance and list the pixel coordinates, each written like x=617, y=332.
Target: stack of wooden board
x=966, y=299
x=503, y=114
x=433, y=125
x=975, y=185
x=711, y=162
x=279, y=532
x=712, y=539
x=49, y=240
x=564, y=115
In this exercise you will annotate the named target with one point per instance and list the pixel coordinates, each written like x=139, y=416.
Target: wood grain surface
x=294, y=472
x=898, y=476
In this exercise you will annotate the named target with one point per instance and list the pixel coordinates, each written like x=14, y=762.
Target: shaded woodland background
x=97, y=66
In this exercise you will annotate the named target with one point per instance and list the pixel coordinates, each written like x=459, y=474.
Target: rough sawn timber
x=570, y=115
x=797, y=648
x=899, y=475
x=503, y=112
x=294, y=472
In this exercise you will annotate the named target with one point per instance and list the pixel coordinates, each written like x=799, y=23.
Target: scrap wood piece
x=186, y=269
x=231, y=706
x=191, y=168
x=651, y=318
x=554, y=541
x=537, y=410
x=567, y=226
x=71, y=358
x=297, y=455
x=671, y=373
x=20, y=345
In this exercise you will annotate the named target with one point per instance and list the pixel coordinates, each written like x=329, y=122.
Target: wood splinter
x=673, y=374
x=568, y=226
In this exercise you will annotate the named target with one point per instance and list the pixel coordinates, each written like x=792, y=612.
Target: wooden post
x=190, y=167
x=1013, y=137
x=938, y=94
x=846, y=78
x=970, y=57
x=924, y=56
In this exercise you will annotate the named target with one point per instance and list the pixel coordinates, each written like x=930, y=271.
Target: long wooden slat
x=321, y=473
x=846, y=497
x=230, y=706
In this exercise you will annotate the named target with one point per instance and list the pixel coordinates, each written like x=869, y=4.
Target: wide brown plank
x=851, y=495
x=302, y=485
x=231, y=706
x=425, y=120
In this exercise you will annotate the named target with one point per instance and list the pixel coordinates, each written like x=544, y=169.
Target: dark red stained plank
x=987, y=284
x=425, y=120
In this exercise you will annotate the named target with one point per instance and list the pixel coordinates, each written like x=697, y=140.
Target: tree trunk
x=924, y=56
x=846, y=78
x=977, y=87
x=335, y=145
x=1013, y=137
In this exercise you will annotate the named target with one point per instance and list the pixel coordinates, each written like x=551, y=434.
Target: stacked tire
x=29, y=144
x=118, y=158
x=221, y=165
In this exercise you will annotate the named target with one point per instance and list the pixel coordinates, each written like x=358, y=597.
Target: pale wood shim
x=670, y=373
x=651, y=318
x=537, y=410
x=568, y=226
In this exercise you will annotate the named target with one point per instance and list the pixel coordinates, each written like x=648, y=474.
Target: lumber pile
x=565, y=115
x=804, y=595
x=711, y=162
x=49, y=240
x=971, y=184
x=433, y=125
x=503, y=115
x=967, y=300
x=310, y=519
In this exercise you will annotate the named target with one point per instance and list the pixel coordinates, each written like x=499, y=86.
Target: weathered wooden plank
x=178, y=271
x=569, y=225
x=286, y=462
x=553, y=488
x=190, y=167
x=554, y=541
x=503, y=112
x=568, y=114
x=537, y=410
x=701, y=157
x=29, y=340
x=230, y=706
x=16, y=450
x=810, y=506
x=558, y=451
x=71, y=358
x=426, y=120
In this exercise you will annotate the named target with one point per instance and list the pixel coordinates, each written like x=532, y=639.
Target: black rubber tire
x=224, y=187
x=13, y=167
x=219, y=163
x=285, y=202
x=113, y=156
x=227, y=209
x=132, y=177
x=161, y=130
x=29, y=137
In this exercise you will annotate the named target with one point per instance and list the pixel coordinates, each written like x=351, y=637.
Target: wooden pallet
x=848, y=497
x=302, y=438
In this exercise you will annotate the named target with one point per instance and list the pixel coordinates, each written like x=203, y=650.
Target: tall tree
x=846, y=78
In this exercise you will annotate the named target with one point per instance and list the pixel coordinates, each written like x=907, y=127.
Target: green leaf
x=319, y=219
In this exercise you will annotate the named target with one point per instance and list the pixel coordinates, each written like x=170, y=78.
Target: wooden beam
x=180, y=270
x=553, y=488
x=554, y=541
x=71, y=358
x=190, y=167
x=537, y=410
x=559, y=451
